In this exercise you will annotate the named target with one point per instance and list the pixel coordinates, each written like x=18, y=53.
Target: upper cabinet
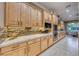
x=40, y=22
x=62, y=25
x=47, y=17
x=34, y=16
x=55, y=19
x=25, y=15
x=13, y=14
x=2, y=14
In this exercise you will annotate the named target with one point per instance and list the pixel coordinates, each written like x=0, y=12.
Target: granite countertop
x=21, y=39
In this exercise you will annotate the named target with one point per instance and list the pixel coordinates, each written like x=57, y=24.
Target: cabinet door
x=44, y=43
x=2, y=10
x=19, y=52
x=34, y=16
x=55, y=19
x=6, y=49
x=21, y=49
x=50, y=40
x=15, y=50
x=34, y=49
x=7, y=54
x=12, y=14
x=39, y=18
x=25, y=14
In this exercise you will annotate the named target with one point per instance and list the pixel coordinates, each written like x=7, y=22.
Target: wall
x=1, y=14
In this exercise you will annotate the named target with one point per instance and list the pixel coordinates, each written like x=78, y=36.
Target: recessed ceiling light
x=70, y=15
x=67, y=10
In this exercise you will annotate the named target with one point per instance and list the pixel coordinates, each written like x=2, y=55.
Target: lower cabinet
x=17, y=52
x=14, y=50
x=29, y=48
x=33, y=47
x=50, y=40
x=44, y=43
x=7, y=53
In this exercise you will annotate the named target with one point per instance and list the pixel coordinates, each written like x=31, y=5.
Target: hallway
x=66, y=47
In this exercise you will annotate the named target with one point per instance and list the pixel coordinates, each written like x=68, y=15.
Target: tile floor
x=68, y=46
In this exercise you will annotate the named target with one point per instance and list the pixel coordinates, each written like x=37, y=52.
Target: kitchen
x=28, y=29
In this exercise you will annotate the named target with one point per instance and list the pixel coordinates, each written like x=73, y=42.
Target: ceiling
x=68, y=11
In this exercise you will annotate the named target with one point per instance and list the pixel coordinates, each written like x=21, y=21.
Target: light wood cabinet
x=46, y=17
x=21, y=49
x=44, y=43
x=39, y=18
x=29, y=48
x=12, y=14
x=17, y=52
x=55, y=19
x=7, y=54
x=14, y=50
x=34, y=16
x=6, y=49
x=50, y=40
x=2, y=11
x=25, y=15
x=33, y=48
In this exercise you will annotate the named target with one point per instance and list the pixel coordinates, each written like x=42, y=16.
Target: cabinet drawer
x=17, y=52
x=23, y=44
x=33, y=41
x=7, y=54
x=6, y=49
x=50, y=41
x=15, y=46
x=20, y=45
x=44, y=44
x=34, y=49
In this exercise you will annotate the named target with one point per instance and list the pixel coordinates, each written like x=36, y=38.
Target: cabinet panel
x=7, y=54
x=12, y=14
x=17, y=52
x=50, y=40
x=34, y=16
x=34, y=49
x=55, y=19
x=2, y=9
x=6, y=49
x=25, y=15
x=44, y=43
x=39, y=18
